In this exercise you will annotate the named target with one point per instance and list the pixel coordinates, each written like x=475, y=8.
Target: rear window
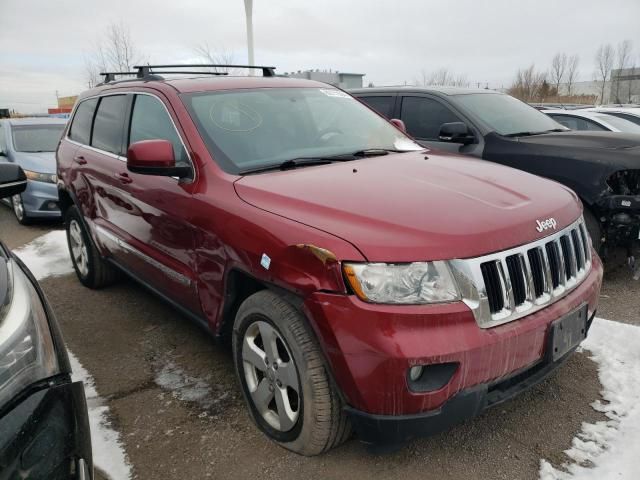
x=109, y=123
x=36, y=138
x=382, y=105
x=81, y=127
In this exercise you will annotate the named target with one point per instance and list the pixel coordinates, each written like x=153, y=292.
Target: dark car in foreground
x=31, y=143
x=603, y=168
x=44, y=425
x=361, y=282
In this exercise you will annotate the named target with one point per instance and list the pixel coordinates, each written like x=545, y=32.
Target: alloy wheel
x=78, y=248
x=271, y=376
x=18, y=207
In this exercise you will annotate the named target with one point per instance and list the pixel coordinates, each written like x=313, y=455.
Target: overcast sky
x=43, y=43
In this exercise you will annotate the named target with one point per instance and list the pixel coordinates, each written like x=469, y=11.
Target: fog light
x=415, y=372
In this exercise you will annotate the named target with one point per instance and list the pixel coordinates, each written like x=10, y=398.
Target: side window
x=424, y=116
x=577, y=123
x=382, y=105
x=109, y=123
x=3, y=142
x=150, y=121
x=80, y=130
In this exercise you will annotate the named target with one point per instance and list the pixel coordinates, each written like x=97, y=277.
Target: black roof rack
x=144, y=70
x=150, y=72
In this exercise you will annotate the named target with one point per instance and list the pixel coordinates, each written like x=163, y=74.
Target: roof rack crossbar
x=144, y=70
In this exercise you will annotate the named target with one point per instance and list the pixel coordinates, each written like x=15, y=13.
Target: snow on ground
x=186, y=387
x=609, y=449
x=108, y=453
x=48, y=256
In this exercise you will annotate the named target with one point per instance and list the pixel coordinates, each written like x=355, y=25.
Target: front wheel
x=283, y=377
x=594, y=228
x=19, y=211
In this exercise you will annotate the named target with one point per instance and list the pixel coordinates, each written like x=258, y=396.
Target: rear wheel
x=19, y=211
x=92, y=270
x=595, y=230
x=283, y=377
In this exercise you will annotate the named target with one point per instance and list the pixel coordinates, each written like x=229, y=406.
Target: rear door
x=155, y=224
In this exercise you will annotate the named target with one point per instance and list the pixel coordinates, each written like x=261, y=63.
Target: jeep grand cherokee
x=362, y=282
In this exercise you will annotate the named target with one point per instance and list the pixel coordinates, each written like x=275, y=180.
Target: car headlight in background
x=27, y=353
x=408, y=283
x=41, y=177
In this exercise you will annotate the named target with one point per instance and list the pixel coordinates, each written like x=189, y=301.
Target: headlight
x=409, y=283
x=41, y=177
x=27, y=354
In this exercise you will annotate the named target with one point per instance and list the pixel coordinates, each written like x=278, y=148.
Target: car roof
x=414, y=89
x=630, y=110
x=207, y=84
x=575, y=113
x=36, y=121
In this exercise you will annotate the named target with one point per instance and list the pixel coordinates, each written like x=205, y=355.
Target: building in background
x=65, y=105
x=337, y=79
x=625, y=86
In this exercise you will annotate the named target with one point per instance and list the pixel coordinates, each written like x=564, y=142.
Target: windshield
x=507, y=115
x=251, y=129
x=620, y=123
x=36, y=138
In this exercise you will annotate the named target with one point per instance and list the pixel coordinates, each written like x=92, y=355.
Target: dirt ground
x=127, y=338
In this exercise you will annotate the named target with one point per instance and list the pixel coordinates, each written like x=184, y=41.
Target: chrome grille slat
x=508, y=285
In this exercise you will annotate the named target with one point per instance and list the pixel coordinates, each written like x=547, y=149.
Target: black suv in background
x=603, y=168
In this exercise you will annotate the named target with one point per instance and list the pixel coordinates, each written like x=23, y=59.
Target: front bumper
x=40, y=199
x=46, y=435
x=369, y=349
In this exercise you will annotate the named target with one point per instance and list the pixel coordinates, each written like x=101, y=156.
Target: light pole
x=248, y=7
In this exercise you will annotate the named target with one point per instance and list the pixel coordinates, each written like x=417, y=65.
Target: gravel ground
x=126, y=338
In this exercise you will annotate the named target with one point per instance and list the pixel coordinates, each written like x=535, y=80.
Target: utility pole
x=248, y=9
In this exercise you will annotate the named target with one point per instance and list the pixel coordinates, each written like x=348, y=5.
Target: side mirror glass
x=456, y=132
x=154, y=157
x=12, y=180
x=399, y=124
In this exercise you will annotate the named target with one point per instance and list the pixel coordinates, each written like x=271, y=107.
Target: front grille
x=508, y=285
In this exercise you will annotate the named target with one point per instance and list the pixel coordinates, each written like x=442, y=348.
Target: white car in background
x=591, y=120
x=632, y=114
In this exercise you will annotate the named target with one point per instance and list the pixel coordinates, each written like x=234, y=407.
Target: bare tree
x=213, y=56
x=443, y=78
x=529, y=84
x=113, y=51
x=623, y=58
x=572, y=73
x=558, y=69
x=604, y=64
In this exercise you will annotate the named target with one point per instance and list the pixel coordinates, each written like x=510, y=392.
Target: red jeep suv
x=364, y=282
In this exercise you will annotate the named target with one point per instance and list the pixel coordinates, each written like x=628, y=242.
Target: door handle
x=124, y=177
x=79, y=159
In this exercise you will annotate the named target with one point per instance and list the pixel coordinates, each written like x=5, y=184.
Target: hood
x=42, y=162
x=618, y=150
x=411, y=207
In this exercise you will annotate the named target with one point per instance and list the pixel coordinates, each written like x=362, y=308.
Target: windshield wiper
x=529, y=134
x=309, y=161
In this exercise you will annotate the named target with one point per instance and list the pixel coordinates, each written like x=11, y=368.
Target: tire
x=594, y=229
x=92, y=270
x=320, y=421
x=17, y=205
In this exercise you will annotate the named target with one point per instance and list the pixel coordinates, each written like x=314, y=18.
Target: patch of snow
x=108, y=454
x=186, y=387
x=608, y=449
x=47, y=256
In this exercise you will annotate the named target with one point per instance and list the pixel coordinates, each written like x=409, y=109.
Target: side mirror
x=399, y=124
x=154, y=157
x=12, y=180
x=456, y=132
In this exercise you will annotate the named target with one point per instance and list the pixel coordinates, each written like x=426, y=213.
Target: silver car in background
x=31, y=143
